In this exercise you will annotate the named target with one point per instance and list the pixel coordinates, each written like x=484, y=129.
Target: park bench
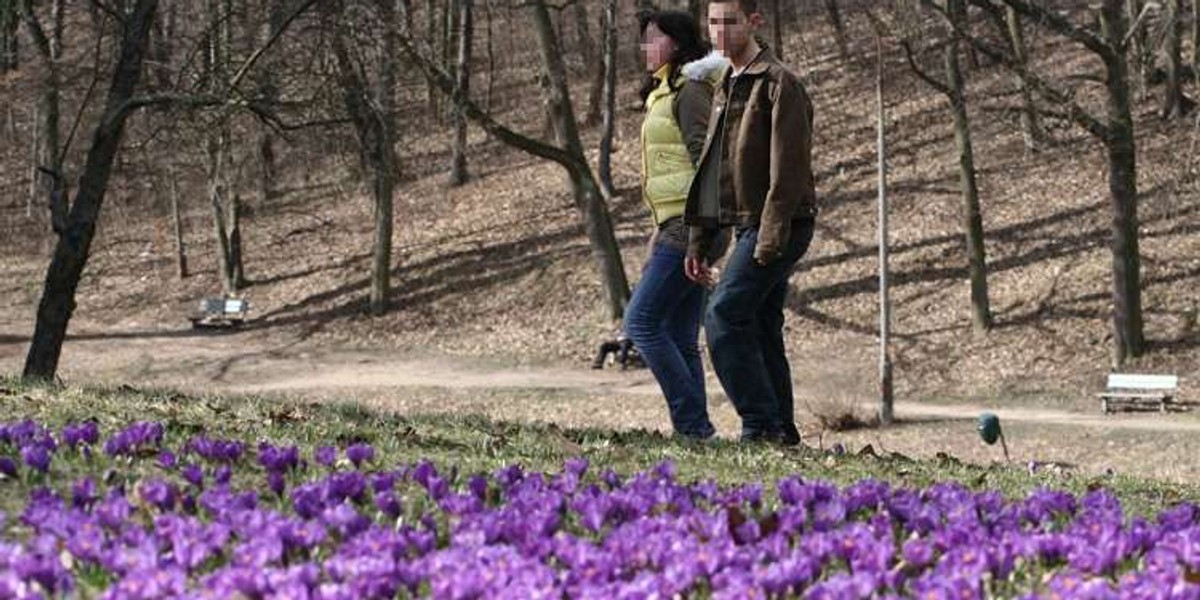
x=1138, y=391
x=220, y=312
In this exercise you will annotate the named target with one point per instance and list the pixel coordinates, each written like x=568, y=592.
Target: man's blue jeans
x=663, y=321
x=744, y=327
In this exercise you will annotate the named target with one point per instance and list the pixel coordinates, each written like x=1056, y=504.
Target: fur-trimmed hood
x=705, y=68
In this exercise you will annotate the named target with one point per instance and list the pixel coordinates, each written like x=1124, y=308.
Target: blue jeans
x=663, y=321
x=744, y=326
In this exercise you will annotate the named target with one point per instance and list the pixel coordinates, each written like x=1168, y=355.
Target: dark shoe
x=761, y=437
x=790, y=435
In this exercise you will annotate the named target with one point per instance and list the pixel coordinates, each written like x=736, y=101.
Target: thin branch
x=246, y=66
x=110, y=11
x=1075, y=113
x=933, y=82
x=36, y=31
x=446, y=84
x=87, y=97
x=1055, y=22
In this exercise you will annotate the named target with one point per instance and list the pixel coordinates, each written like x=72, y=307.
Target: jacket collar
x=759, y=64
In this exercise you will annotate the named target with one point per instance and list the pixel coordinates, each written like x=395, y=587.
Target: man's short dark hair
x=746, y=6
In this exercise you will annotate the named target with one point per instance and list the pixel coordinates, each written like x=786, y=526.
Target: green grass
x=475, y=444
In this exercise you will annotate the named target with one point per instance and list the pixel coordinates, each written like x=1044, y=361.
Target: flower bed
x=130, y=517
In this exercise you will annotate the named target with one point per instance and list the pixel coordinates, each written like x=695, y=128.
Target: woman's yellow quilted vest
x=667, y=169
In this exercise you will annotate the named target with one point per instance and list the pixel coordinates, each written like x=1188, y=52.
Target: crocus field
x=222, y=518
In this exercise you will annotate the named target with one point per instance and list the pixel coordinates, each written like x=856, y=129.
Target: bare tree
x=609, y=27
x=74, y=242
x=458, y=161
x=1139, y=43
x=9, y=40
x=568, y=152
x=181, y=262
x=219, y=148
x=372, y=110
x=1174, y=104
x=48, y=154
x=1115, y=131
x=593, y=63
x=588, y=196
x=954, y=88
x=217, y=154
x=1195, y=58
x=1031, y=127
x=834, y=13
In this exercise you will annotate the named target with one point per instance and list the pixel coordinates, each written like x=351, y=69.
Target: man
x=755, y=175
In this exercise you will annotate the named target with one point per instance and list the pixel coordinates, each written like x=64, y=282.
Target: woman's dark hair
x=682, y=28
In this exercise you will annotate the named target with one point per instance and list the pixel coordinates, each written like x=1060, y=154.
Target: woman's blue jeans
x=663, y=321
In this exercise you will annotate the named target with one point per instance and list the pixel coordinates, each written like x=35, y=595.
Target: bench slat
x=1134, y=396
x=1142, y=382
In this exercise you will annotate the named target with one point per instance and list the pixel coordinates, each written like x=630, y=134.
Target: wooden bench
x=220, y=312
x=1139, y=390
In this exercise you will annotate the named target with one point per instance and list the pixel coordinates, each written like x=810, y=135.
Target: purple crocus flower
x=159, y=493
x=84, y=493
x=325, y=456
x=222, y=475
x=194, y=475
x=75, y=434
x=36, y=457
x=276, y=482
x=8, y=467
x=359, y=454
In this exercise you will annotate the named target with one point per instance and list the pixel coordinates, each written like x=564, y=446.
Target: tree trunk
x=237, y=269
x=35, y=145
x=58, y=17
x=609, y=70
x=1173, y=104
x=431, y=28
x=71, y=251
x=47, y=150
x=218, y=147
x=583, y=32
x=1139, y=44
x=1195, y=60
x=595, y=67
x=839, y=28
x=588, y=198
x=491, y=55
x=981, y=317
x=9, y=39
x=447, y=35
x=1030, y=126
x=163, y=45
x=384, y=166
x=1128, y=336
x=268, y=169
x=181, y=262
x=458, y=160
x=374, y=118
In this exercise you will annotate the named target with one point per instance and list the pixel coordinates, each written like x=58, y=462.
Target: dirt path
x=1153, y=445
x=363, y=371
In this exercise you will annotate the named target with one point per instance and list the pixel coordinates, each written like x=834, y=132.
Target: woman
x=663, y=317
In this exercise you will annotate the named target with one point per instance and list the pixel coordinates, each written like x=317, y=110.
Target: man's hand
x=698, y=271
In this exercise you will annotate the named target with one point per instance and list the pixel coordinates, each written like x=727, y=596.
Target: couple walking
x=726, y=152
